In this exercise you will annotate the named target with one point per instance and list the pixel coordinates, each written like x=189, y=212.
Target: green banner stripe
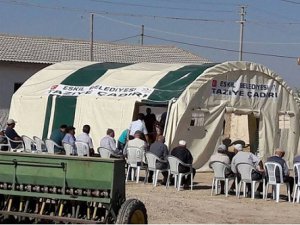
x=175, y=82
x=47, y=116
x=65, y=106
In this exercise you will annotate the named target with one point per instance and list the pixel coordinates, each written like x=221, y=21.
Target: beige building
x=21, y=57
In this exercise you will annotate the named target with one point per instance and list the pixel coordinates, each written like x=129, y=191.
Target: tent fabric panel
x=39, y=83
x=137, y=75
x=47, y=116
x=101, y=114
x=175, y=82
x=28, y=112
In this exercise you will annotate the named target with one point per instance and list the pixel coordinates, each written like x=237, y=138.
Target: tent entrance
x=159, y=110
x=242, y=128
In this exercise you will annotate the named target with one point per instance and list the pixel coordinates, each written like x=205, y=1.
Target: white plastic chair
x=69, y=149
x=82, y=148
x=174, y=164
x=135, y=162
x=19, y=148
x=219, y=169
x=245, y=170
x=6, y=144
x=50, y=145
x=296, y=182
x=29, y=144
x=271, y=168
x=107, y=153
x=151, y=162
x=39, y=144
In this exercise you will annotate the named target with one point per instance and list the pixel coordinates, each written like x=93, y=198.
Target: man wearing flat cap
x=182, y=153
x=12, y=134
x=278, y=158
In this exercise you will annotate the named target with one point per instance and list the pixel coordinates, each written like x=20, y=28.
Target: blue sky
x=272, y=27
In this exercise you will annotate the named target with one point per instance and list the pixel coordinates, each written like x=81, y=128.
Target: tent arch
x=198, y=96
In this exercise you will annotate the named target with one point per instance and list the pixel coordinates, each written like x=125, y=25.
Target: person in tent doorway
x=58, y=135
x=181, y=152
x=85, y=137
x=139, y=125
x=150, y=120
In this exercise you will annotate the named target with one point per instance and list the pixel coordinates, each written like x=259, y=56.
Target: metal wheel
x=132, y=211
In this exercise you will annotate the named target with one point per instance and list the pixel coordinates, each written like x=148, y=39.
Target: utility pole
x=92, y=37
x=242, y=22
x=142, y=35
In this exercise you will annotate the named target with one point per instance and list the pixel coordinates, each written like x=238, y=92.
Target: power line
x=162, y=7
x=195, y=37
x=290, y=1
x=222, y=49
x=26, y=4
x=126, y=38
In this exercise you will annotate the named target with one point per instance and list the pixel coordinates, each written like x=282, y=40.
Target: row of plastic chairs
x=138, y=159
x=245, y=170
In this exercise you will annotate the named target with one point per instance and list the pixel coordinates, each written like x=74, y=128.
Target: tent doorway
x=159, y=112
x=242, y=128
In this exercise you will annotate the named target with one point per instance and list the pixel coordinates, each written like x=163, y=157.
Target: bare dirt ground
x=197, y=206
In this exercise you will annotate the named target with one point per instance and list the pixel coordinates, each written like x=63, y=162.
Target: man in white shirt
x=248, y=157
x=138, y=124
x=109, y=142
x=136, y=142
x=84, y=137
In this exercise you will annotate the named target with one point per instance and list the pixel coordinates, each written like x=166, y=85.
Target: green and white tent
x=107, y=95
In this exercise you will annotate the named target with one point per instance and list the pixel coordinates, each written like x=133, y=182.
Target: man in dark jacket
x=182, y=153
x=159, y=149
x=278, y=158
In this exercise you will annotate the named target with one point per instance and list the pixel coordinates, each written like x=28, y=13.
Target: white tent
x=107, y=95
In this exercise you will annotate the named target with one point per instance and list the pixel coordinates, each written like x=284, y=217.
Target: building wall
x=11, y=73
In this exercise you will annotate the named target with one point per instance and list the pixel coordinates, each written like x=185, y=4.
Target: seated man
x=182, y=153
x=221, y=156
x=278, y=157
x=69, y=138
x=248, y=157
x=85, y=137
x=58, y=135
x=12, y=134
x=109, y=142
x=137, y=142
x=159, y=149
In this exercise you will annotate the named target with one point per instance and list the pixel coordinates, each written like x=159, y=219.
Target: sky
x=208, y=28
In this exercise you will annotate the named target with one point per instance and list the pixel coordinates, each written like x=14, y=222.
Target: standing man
x=182, y=153
x=109, y=141
x=85, y=137
x=58, y=134
x=12, y=134
x=150, y=120
x=138, y=124
x=278, y=157
x=159, y=149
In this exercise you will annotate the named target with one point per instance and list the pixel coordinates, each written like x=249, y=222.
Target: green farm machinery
x=43, y=188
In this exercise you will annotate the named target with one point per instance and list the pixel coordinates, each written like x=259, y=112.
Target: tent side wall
x=234, y=87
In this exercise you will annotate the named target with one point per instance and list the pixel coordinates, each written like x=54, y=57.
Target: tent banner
x=100, y=90
x=244, y=88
